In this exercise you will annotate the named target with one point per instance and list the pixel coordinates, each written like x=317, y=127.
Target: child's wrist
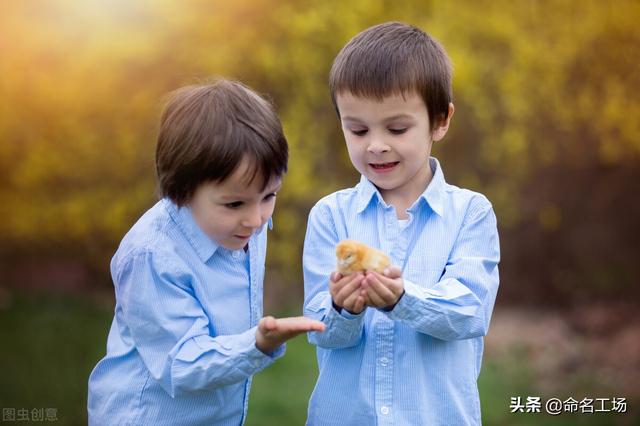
x=262, y=344
x=340, y=308
x=390, y=307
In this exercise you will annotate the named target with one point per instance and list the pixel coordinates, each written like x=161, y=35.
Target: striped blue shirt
x=417, y=364
x=181, y=349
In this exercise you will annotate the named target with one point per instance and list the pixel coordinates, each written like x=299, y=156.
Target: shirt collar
x=433, y=195
x=201, y=243
x=366, y=191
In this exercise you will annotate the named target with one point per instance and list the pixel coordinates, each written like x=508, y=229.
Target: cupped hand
x=345, y=291
x=383, y=290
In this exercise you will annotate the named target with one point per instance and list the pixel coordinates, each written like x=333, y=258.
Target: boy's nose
x=253, y=219
x=377, y=146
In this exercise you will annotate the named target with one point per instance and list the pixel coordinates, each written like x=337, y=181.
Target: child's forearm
x=206, y=362
x=452, y=314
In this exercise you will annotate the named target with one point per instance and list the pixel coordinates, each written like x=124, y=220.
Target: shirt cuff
x=252, y=359
x=348, y=315
x=257, y=357
x=236, y=354
x=343, y=320
x=408, y=303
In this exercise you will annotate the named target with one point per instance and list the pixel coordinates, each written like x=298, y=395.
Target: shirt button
x=384, y=410
x=384, y=361
x=236, y=254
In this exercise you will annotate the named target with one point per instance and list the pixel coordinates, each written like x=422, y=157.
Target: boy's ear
x=441, y=130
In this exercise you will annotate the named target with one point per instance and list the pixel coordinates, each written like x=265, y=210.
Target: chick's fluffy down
x=354, y=256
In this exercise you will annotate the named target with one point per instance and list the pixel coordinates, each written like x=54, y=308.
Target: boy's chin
x=382, y=184
x=234, y=243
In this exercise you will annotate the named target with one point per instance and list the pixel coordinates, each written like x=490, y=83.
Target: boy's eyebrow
x=230, y=197
x=346, y=117
x=392, y=118
x=274, y=188
x=277, y=187
x=399, y=117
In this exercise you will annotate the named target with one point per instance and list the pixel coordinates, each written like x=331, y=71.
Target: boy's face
x=229, y=212
x=389, y=141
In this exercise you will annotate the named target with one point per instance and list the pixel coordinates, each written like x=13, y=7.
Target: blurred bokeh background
x=547, y=125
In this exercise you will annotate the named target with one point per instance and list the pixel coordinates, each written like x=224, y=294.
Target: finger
x=374, y=298
x=365, y=294
x=349, y=288
x=317, y=326
x=307, y=324
x=393, y=284
x=312, y=325
x=358, y=306
x=350, y=302
x=335, y=287
x=367, y=299
x=381, y=290
x=392, y=272
x=299, y=325
x=345, y=280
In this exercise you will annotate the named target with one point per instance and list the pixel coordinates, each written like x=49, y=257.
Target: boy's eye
x=270, y=196
x=397, y=131
x=359, y=132
x=233, y=205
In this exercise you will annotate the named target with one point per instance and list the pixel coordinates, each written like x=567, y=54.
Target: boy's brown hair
x=394, y=58
x=206, y=131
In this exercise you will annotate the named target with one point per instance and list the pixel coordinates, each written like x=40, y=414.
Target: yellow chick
x=354, y=256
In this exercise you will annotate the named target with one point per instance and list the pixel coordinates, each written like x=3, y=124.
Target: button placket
x=384, y=374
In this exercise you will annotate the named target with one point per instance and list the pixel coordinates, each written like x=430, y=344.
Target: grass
x=50, y=345
x=279, y=394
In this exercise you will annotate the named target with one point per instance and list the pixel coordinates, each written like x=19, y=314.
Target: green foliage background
x=546, y=124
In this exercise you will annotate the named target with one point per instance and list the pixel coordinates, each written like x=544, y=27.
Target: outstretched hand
x=273, y=332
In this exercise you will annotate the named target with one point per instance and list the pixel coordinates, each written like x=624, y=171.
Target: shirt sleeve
x=170, y=330
x=460, y=304
x=318, y=260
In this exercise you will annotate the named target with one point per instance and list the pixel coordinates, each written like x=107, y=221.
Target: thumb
x=267, y=323
x=392, y=272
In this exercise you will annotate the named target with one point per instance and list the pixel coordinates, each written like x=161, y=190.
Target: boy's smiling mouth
x=383, y=167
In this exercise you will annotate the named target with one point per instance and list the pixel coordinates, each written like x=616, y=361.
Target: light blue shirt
x=417, y=364
x=181, y=349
